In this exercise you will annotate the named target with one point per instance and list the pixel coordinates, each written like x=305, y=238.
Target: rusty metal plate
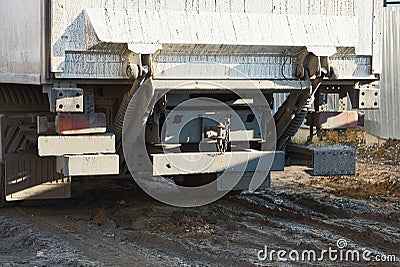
x=331, y=120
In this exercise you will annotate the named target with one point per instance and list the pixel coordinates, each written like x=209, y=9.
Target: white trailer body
x=66, y=61
x=40, y=39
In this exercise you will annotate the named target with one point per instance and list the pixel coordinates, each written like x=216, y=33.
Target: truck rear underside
x=180, y=91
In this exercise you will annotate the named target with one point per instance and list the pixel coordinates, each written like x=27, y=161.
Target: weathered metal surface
x=229, y=67
x=66, y=100
x=179, y=29
x=194, y=41
x=369, y=98
x=93, y=64
x=385, y=122
x=325, y=160
x=214, y=162
x=70, y=145
x=80, y=165
x=193, y=124
x=377, y=40
x=237, y=85
x=22, y=41
x=352, y=67
x=333, y=120
x=185, y=30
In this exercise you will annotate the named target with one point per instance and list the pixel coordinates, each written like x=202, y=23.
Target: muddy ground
x=113, y=223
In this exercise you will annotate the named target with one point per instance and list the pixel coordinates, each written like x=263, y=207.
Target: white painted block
x=72, y=145
x=91, y=165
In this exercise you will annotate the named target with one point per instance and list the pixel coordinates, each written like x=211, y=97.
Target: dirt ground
x=113, y=223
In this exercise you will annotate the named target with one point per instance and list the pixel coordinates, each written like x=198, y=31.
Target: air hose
x=117, y=125
x=295, y=124
x=299, y=117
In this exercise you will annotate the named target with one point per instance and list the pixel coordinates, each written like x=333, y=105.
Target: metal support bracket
x=333, y=120
x=137, y=63
x=66, y=100
x=365, y=96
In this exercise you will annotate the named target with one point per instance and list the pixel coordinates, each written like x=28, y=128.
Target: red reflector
x=81, y=123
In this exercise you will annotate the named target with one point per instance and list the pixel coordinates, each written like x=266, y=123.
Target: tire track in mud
x=129, y=228
x=323, y=222
x=281, y=219
x=24, y=244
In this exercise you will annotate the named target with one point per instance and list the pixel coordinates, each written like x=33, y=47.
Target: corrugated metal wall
x=386, y=121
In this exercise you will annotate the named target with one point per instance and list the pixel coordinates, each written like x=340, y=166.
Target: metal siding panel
x=298, y=31
x=254, y=7
x=64, y=12
x=279, y=98
x=377, y=37
x=21, y=39
x=24, y=60
x=364, y=10
x=386, y=121
x=220, y=38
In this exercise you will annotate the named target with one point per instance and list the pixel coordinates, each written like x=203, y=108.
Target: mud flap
x=24, y=174
x=28, y=176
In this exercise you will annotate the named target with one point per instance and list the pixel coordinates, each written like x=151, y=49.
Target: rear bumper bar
x=214, y=162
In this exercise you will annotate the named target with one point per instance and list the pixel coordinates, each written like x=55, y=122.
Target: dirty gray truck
x=102, y=88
